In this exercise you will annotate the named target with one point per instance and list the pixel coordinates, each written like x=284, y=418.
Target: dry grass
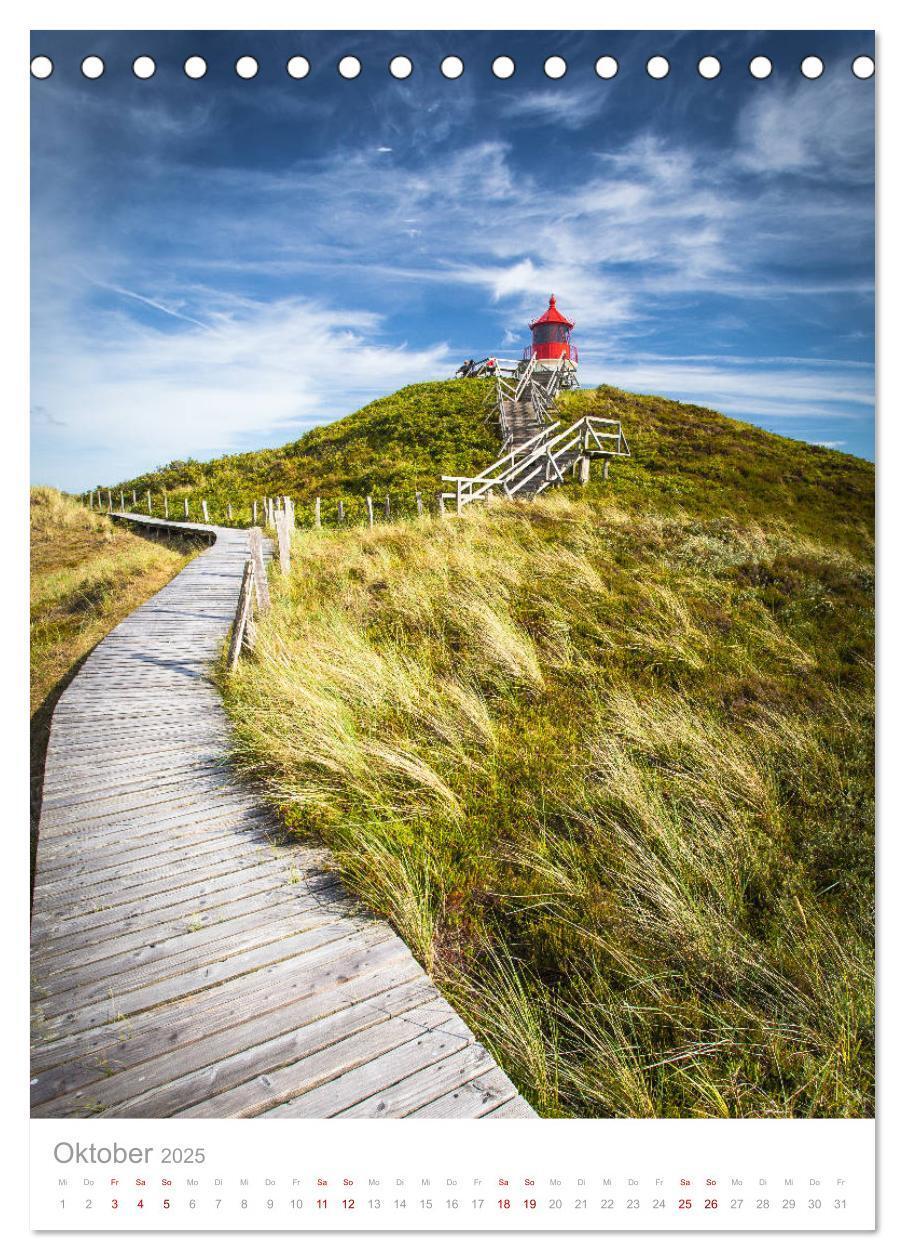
x=608, y=770
x=86, y=575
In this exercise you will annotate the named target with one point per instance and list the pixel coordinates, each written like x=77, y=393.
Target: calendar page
x=452, y=635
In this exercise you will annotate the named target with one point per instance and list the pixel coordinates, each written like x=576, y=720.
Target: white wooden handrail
x=598, y=436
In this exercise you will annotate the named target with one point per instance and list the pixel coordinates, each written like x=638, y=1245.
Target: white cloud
x=565, y=109
x=823, y=129
x=790, y=389
x=137, y=397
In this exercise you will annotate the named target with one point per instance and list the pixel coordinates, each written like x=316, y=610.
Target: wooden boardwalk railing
x=186, y=960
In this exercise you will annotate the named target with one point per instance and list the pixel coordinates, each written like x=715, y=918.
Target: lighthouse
x=550, y=359
x=551, y=338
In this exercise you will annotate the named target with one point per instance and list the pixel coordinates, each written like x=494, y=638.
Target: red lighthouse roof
x=552, y=316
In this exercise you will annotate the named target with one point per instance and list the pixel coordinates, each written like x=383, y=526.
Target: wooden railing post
x=256, y=550
x=340, y=513
x=185, y=504
x=386, y=508
x=458, y=498
x=370, y=503
x=109, y=501
x=150, y=513
x=166, y=506
x=241, y=618
x=317, y=513
x=254, y=512
x=281, y=521
x=122, y=501
x=134, y=499
x=441, y=503
x=229, y=511
x=204, y=511
x=418, y=502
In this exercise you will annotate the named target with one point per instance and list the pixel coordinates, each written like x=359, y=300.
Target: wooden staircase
x=538, y=450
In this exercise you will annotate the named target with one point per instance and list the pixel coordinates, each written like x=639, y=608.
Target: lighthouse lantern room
x=551, y=337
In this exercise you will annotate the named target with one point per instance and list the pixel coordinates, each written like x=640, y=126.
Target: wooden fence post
x=386, y=508
x=204, y=511
x=254, y=512
x=340, y=513
x=282, y=526
x=109, y=501
x=317, y=513
x=441, y=503
x=149, y=504
x=584, y=469
x=186, y=506
x=241, y=617
x=229, y=511
x=122, y=501
x=458, y=498
x=256, y=549
x=418, y=504
x=134, y=499
x=370, y=502
x=606, y=470
x=166, y=506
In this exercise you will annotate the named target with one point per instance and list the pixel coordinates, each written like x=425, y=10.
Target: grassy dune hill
x=605, y=760
x=395, y=445
x=86, y=575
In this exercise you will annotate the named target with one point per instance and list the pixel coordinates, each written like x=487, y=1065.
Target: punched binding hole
x=246, y=67
x=93, y=67
x=658, y=67
x=607, y=67
x=297, y=67
x=400, y=67
x=195, y=67
x=452, y=67
x=41, y=67
x=349, y=67
x=143, y=67
x=863, y=67
x=812, y=67
x=555, y=67
x=503, y=67
x=709, y=67
x=760, y=67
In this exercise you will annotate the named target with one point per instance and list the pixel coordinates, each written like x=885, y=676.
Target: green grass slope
x=605, y=760
x=394, y=446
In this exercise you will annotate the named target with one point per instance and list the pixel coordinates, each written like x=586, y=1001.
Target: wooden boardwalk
x=186, y=960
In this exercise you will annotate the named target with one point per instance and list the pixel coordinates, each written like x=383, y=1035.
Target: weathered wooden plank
x=285, y=1037
x=383, y=1059
x=278, y=1091
x=155, y=1031
x=473, y=1099
x=423, y=1086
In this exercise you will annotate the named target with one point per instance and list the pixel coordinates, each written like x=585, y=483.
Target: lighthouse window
x=550, y=332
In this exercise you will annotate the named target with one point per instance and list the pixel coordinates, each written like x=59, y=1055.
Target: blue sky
x=219, y=264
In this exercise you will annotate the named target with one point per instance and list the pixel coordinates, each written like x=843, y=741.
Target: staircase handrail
x=514, y=471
